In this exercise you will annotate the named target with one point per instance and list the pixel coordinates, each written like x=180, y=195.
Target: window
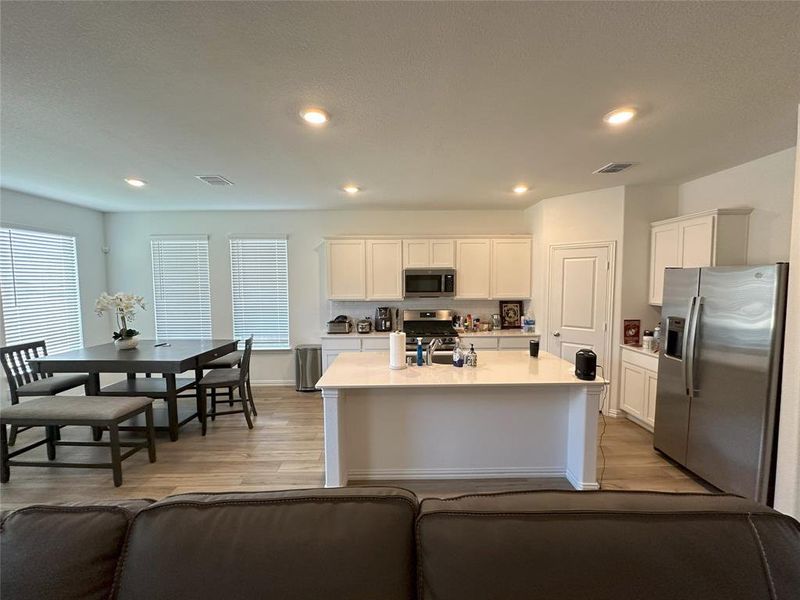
x=40, y=293
x=181, y=289
x=260, y=283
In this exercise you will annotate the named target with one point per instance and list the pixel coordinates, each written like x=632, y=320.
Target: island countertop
x=353, y=370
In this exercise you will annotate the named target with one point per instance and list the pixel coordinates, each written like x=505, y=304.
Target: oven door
x=428, y=283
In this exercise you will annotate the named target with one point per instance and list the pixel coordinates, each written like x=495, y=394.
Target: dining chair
x=23, y=381
x=228, y=378
x=228, y=361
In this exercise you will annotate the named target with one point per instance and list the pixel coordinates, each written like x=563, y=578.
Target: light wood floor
x=285, y=451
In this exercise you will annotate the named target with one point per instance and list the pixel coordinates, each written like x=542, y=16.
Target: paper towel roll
x=397, y=350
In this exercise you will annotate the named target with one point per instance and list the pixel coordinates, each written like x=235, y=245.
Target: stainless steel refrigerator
x=719, y=374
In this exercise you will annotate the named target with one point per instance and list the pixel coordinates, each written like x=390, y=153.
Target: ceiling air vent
x=613, y=168
x=213, y=179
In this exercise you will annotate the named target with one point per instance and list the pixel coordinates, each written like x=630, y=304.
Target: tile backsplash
x=483, y=309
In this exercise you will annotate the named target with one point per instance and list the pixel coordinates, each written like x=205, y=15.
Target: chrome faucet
x=434, y=345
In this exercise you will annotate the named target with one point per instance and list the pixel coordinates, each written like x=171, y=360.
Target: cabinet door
x=515, y=343
x=473, y=268
x=663, y=254
x=651, y=381
x=511, y=269
x=384, y=269
x=633, y=390
x=327, y=358
x=416, y=254
x=442, y=253
x=346, y=270
x=697, y=242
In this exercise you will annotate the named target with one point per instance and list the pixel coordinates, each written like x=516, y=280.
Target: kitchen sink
x=443, y=359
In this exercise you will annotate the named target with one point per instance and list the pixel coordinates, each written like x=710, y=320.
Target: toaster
x=341, y=324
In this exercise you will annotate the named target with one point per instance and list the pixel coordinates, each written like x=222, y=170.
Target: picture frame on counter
x=510, y=314
x=632, y=332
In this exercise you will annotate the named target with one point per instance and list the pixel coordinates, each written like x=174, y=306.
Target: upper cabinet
x=712, y=238
x=372, y=269
x=473, y=268
x=347, y=273
x=384, y=269
x=511, y=268
x=428, y=253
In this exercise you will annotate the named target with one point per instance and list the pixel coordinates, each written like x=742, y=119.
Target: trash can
x=307, y=367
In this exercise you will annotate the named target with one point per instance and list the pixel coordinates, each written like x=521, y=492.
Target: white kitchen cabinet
x=384, y=269
x=633, y=390
x=639, y=377
x=712, y=238
x=511, y=269
x=473, y=268
x=428, y=253
x=347, y=273
x=517, y=342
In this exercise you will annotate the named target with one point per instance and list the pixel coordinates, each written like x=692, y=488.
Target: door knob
x=556, y=334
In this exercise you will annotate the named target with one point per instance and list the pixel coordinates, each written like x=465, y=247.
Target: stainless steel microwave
x=429, y=283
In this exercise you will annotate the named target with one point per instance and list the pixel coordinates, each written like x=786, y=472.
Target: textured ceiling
x=434, y=105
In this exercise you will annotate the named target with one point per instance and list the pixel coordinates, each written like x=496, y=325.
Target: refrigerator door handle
x=687, y=334
x=697, y=303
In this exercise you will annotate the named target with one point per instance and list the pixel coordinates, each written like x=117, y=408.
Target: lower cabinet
x=639, y=379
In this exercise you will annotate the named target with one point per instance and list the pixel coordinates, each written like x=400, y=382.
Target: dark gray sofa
x=381, y=544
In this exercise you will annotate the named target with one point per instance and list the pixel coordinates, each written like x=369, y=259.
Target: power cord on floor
x=603, y=430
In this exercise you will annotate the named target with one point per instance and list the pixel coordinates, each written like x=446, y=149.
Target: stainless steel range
x=429, y=325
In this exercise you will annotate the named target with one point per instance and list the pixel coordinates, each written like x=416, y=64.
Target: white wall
x=787, y=485
x=129, y=266
x=596, y=216
x=767, y=186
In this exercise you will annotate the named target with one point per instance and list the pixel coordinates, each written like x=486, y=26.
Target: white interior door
x=578, y=304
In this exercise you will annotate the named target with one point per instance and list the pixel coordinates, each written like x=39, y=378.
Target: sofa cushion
x=353, y=543
x=605, y=545
x=63, y=552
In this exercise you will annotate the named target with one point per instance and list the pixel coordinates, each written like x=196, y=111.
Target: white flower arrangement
x=124, y=307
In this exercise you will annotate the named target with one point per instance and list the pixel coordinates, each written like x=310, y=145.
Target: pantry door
x=581, y=284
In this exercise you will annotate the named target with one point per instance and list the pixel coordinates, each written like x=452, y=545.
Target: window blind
x=40, y=291
x=260, y=284
x=181, y=288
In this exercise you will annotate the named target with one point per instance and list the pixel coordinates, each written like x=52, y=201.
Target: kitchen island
x=512, y=416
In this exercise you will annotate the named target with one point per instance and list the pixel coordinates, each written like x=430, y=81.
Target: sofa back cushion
x=353, y=543
x=605, y=545
x=63, y=552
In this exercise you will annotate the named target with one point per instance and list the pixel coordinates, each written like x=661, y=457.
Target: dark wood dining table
x=167, y=357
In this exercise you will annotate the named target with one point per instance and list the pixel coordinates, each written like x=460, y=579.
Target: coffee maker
x=383, y=318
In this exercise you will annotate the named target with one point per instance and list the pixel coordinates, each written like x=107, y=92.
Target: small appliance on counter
x=384, y=318
x=585, y=364
x=364, y=325
x=341, y=324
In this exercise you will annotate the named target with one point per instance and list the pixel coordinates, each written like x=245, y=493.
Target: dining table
x=165, y=357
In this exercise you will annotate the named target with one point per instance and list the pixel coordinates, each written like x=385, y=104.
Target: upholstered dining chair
x=22, y=381
x=228, y=378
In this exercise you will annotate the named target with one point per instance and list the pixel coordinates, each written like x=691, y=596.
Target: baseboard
x=271, y=382
x=613, y=412
x=447, y=473
x=578, y=484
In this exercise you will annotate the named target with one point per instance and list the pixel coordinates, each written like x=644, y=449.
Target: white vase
x=127, y=343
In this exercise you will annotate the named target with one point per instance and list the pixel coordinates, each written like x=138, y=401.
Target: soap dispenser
x=472, y=358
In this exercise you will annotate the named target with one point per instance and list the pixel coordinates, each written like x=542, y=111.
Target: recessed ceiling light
x=521, y=188
x=351, y=189
x=620, y=116
x=315, y=116
x=137, y=183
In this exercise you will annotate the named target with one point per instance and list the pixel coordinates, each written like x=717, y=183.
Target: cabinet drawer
x=516, y=342
x=344, y=343
x=373, y=344
x=644, y=361
x=480, y=343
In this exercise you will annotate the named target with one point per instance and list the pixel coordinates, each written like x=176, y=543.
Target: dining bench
x=53, y=412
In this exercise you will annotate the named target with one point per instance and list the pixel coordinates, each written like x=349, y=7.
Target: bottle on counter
x=458, y=355
x=657, y=338
x=472, y=358
x=420, y=357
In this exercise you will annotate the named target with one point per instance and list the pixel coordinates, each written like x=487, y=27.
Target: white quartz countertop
x=639, y=350
x=498, y=333
x=495, y=368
